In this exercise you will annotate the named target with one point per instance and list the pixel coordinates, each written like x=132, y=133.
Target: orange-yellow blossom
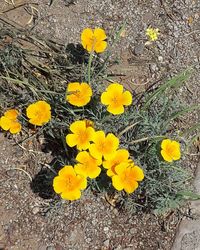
x=104, y=145
x=39, y=113
x=116, y=98
x=127, y=177
x=69, y=184
x=170, y=150
x=78, y=94
x=82, y=135
x=87, y=165
x=120, y=156
x=94, y=40
x=9, y=121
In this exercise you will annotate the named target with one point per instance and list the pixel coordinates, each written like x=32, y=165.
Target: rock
x=106, y=243
x=153, y=67
x=139, y=48
x=188, y=234
x=36, y=210
x=50, y=248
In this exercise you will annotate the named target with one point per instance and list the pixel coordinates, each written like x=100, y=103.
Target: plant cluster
x=119, y=139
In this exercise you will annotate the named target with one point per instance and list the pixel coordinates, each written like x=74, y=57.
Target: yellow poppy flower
x=78, y=94
x=87, y=166
x=69, y=184
x=39, y=113
x=82, y=135
x=152, y=34
x=115, y=98
x=170, y=150
x=9, y=121
x=94, y=40
x=121, y=155
x=103, y=146
x=127, y=177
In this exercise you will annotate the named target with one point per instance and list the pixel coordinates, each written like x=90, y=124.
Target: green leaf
x=187, y=195
x=175, y=82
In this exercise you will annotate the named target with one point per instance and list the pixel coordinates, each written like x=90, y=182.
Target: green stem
x=89, y=66
x=146, y=139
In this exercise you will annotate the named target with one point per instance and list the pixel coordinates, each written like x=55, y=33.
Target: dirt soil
x=30, y=219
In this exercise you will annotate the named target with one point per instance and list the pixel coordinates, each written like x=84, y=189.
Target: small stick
x=20, y=169
x=127, y=128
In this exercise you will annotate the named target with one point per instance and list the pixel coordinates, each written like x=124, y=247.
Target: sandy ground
x=31, y=222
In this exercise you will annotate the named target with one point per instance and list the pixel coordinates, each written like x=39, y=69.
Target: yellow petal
x=71, y=140
x=87, y=39
x=99, y=34
x=109, y=172
x=59, y=184
x=66, y=171
x=177, y=155
x=83, y=182
x=73, y=86
x=99, y=47
x=111, y=145
x=95, y=172
x=137, y=173
x=115, y=110
x=87, y=171
x=95, y=152
x=120, y=168
x=82, y=156
x=99, y=136
x=83, y=145
x=131, y=186
x=11, y=114
x=122, y=155
x=43, y=106
x=127, y=98
x=106, y=98
x=86, y=35
x=77, y=126
x=15, y=128
x=165, y=143
x=115, y=88
x=75, y=195
x=5, y=123
x=86, y=89
x=112, y=141
x=83, y=140
x=30, y=111
x=116, y=182
x=107, y=164
x=80, y=169
x=36, y=121
x=176, y=152
x=165, y=156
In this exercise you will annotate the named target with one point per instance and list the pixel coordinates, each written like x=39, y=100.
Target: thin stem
x=146, y=139
x=89, y=66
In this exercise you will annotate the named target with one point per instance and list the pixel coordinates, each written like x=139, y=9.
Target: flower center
x=83, y=136
x=93, y=41
x=170, y=150
x=70, y=183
